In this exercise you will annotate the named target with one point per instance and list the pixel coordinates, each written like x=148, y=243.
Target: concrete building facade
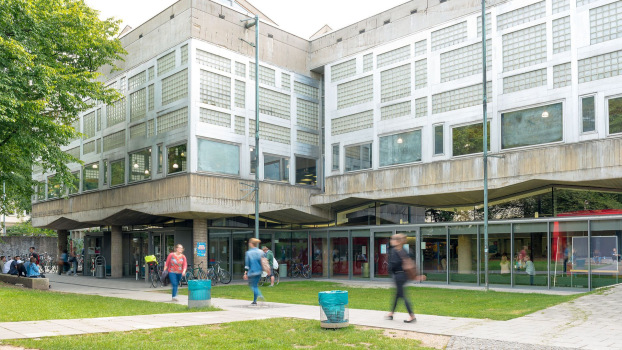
x=365, y=131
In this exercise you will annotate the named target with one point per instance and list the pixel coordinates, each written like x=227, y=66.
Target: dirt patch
x=427, y=340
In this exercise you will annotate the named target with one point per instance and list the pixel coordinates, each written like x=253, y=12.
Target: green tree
x=51, y=55
x=26, y=229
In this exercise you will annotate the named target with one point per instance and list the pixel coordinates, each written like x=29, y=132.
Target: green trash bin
x=334, y=309
x=199, y=293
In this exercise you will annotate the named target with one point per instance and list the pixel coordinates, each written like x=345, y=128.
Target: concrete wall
x=13, y=245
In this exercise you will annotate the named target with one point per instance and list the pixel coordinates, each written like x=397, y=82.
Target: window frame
x=125, y=167
x=283, y=171
x=394, y=133
x=317, y=168
x=434, y=126
x=499, y=126
x=166, y=149
x=607, y=98
x=238, y=144
x=332, y=157
x=452, y=127
x=360, y=144
x=129, y=167
x=84, y=174
x=581, y=97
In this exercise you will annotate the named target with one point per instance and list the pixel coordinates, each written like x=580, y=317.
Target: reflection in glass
x=569, y=254
x=320, y=254
x=605, y=252
x=140, y=165
x=75, y=181
x=335, y=157
x=90, y=177
x=532, y=126
x=434, y=253
x=614, y=108
x=438, y=139
x=588, y=114
x=358, y=157
x=400, y=148
x=177, y=159
x=306, y=171
x=117, y=172
x=463, y=253
x=468, y=139
x=55, y=187
x=360, y=253
x=339, y=254
x=499, y=254
x=275, y=168
x=218, y=157
x=381, y=253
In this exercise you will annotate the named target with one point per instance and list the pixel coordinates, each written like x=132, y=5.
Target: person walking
x=397, y=255
x=252, y=268
x=176, y=265
x=270, y=257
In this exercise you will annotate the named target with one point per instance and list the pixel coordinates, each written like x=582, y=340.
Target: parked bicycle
x=300, y=270
x=155, y=273
x=266, y=279
x=217, y=274
x=196, y=273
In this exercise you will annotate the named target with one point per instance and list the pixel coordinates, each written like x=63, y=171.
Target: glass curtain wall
x=569, y=254
x=605, y=252
x=499, y=254
x=381, y=254
x=339, y=254
x=360, y=253
x=463, y=253
x=239, y=247
x=320, y=257
x=434, y=253
x=530, y=254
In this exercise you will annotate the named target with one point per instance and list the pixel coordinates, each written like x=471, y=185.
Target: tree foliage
x=51, y=52
x=26, y=229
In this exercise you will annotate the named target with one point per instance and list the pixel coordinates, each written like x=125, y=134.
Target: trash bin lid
x=333, y=297
x=199, y=284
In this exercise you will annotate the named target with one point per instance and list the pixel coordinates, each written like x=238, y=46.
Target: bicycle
x=218, y=274
x=196, y=273
x=300, y=270
x=154, y=274
x=265, y=279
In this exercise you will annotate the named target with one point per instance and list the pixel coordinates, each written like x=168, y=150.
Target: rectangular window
x=117, y=172
x=90, y=177
x=614, y=106
x=41, y=191
x=218, y=157
x=253, y=158
x=275, y=168
x=306, y=171
x=532, y=126
x=358, y=157
x=75, y=181
x=177, y=159
x=336, y=157
x=588, y=115
x=105, y=172
x=140, y=165
x=55, y=187
x=439, y=139
x=160, y=158
x=400, y=148
x=468, y=139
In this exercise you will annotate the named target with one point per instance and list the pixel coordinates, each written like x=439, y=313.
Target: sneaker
x=254, y=303
x=175, y=299
x=272, y=285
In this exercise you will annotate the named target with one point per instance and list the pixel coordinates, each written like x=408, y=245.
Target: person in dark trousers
x=269, y=257
x=253, y=268
x=396, y=259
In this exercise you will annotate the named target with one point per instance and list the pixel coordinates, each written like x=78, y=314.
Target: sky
x=302, y=18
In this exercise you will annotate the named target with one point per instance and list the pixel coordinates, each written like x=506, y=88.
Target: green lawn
x=265, y=334
x=19, y=304
x=430, y=301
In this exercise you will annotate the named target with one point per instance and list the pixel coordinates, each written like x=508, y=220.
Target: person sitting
x=7, y=265
x=2, y=262
x=33, y=269
x=17, y=267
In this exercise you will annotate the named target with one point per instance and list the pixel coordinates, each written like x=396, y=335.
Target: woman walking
x=176, y=265
x=252, y=268
x=397, y=255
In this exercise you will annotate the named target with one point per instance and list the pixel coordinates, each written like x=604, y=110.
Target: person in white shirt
x=7, y=266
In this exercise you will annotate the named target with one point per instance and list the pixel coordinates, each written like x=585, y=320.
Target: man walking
x=270, y=258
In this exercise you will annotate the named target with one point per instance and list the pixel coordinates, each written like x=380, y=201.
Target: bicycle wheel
x=225, y=277
x=295, y=273
x=202, y=275
x=306, y=273
x=153, y=277
x=276, y=278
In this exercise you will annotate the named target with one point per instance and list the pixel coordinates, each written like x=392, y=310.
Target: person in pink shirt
x=176, y=265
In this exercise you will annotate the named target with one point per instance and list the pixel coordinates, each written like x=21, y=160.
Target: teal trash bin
x=334, y=309
x=199, y=293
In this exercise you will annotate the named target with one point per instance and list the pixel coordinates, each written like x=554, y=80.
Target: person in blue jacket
x=252, y=268
x=32, y=270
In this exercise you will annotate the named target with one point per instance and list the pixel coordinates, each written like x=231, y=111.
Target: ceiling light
x=175, y=166
x=146, y=171
x=545, y=114
x=183, y=154
x=94, y=166
x=399, y=140
x=135, y=165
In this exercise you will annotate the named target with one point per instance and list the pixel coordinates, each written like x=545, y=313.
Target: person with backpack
x=270, y=257
x=253, y=268
x=400, y=265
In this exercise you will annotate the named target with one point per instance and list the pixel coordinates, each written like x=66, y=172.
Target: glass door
x=434, y=253
x=240, y=246
x=360, y=253
x=219, y=250
x=381, y=253
x=320, y=254
x=339, y=254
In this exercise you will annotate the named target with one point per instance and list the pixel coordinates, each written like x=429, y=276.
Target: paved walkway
x=590, y=322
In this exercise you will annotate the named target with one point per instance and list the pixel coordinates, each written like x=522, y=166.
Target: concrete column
x=63, y=235
x=465, y=261
x=116, y=249
x=199, y=234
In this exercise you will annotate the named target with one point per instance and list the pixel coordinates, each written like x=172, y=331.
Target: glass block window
x=138, y=131
x=151, y=97
x=358, y=157
x=218, y=157
x=524, y=81
x=150, y=127
x=286, y=82
x=184, y=54
x=588, y=114
x=270, y=132
x=306, y=171
x=98, y=121
x=240, y=69
x=421, y=74
x=215, y=118
x=90, y=177
x=140, y=165
x=400, y=148
x=240, y=94
x=524, y=47
x=532, y=126
x=465, y=61
x=307, y=138
x=584, y=2
x=488, y=26
x=166, y=63
x=122, y=84
x=175, y=87
x=335, y=158
x=606, y=22
x=137, y=80
x=74, y=152
x=114, y=141
x=395, y=83
x=562, y=75
x=460, y=98
x=115, y=113
x=600, y=67
x=75, y=125
x=469, y=139
x=355, y=92
x=561, y=34
x=307, y=113
x=177, y=159
x=213, y=61
x=150, y=73
x=395, y=111
x=239, y=126
x=421, y=107
x=449, y=36
x=614, y=109
x=394, y=56
x=560, y=6
x=138, y=104
x=352, y=122
x=368, y=62
x=88, y=147
x=521, y=15
x=266, y=75
x=274, y=103
x=88, y=127
x=421, y=47
x=215, y=89
x=173, y=120
x=343, y=70
x=439, y=143
x=117, y=172
x=275, y=168
x=306, y=90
